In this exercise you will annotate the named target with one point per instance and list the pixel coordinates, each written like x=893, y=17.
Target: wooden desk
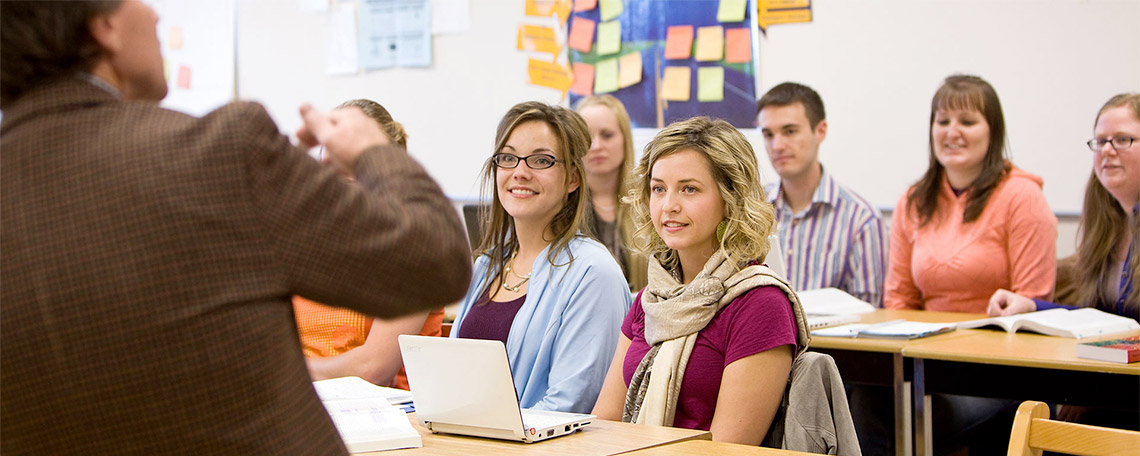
x=880, y=361
x=601, y=437
x=1020, y=366
x=692, y=447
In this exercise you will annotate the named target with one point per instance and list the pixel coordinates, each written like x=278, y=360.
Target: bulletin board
x=721, y=84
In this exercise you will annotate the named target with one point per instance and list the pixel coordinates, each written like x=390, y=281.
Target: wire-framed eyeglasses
x=1119, y=143
x=536, y=161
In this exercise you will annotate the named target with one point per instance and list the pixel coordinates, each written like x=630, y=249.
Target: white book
x=1076, y=324
x=372, y=424
x=366, y=416
x=832, y=301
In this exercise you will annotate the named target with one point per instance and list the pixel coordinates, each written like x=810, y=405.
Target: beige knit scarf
x=674, y=314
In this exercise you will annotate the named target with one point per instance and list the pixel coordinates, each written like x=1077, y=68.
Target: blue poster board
x=644, y=24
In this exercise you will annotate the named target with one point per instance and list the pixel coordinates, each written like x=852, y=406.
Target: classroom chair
x=1033, y=432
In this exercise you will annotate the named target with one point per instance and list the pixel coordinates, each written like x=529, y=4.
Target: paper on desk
x=358, y=388
x=832, y=301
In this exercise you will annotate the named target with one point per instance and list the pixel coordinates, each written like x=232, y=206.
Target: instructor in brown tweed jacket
x=147, y=257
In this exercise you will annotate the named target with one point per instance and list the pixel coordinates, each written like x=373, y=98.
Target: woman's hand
x=1005, y=302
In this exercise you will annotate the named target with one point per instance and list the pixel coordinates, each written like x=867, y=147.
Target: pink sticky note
x=583, y=79
x=183, y=77
x=679, y=42
x=737, y=45
x=584, y=5
x=582, y=34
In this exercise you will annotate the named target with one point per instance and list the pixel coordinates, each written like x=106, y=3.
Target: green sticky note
x=606, y=76
x=609, y=38
x=611, y=8
x=731, y=10
x=710, y=83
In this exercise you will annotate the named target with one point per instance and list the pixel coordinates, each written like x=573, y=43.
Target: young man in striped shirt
x=830, y=236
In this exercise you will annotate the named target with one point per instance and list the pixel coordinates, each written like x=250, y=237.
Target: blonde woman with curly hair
x=716, y=328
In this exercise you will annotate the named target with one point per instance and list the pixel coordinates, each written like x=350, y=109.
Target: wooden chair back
x=1033, y=432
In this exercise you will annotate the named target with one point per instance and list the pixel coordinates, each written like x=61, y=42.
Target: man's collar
x=824, y=192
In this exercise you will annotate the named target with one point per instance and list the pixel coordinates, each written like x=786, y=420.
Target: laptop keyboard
x=540, y=421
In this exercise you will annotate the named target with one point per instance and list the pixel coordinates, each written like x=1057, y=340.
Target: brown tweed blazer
x=147, y=262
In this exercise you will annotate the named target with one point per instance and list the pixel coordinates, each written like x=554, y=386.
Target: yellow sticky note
x=675, y=84
x=175, y=39
x=737, y=45
x=731, y=10
x=583, y=79
x=547, y=8
x=537, y=38
x=629, y=69
x=606, y=76
x=581, y=34
x=611, y=8
x=550, y=74
x=710, y=83
x=609, y=38
x=710, y=43
x=584, y=5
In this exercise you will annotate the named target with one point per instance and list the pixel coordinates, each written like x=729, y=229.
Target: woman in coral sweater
x=974, y=223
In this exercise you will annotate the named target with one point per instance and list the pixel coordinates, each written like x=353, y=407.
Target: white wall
x=875, y=62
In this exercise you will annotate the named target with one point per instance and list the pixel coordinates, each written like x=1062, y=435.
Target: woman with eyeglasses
x=541, y=285
x=974, y=223
x=1108, y=270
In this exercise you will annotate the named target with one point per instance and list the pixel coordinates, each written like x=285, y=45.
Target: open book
x=365, y=417
x=1077, y=324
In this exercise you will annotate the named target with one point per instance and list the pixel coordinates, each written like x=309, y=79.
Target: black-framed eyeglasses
x=536, y=161
x=1119, y=143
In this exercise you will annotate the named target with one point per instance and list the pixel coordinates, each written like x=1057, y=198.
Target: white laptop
x=464, y=386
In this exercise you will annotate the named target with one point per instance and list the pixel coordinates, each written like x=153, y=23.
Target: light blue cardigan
x=563, y=338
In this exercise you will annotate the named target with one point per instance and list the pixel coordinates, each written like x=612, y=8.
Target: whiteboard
x=875, y=63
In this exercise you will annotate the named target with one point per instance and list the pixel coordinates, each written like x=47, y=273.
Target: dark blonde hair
x=749, y=217
x=627, y=162
x=967, y=93
x=499, y=239
x=1103, y=224
x=372, y=109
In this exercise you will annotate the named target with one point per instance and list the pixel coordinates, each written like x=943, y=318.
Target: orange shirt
x=330, y=331
x=949, y=265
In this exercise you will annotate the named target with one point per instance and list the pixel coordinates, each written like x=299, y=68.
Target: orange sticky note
x=549, y=74
x=584, y=5
x=582, y=34
x=583, y=79
x=679, y=42
x=675, y=85
x=183, y=77
x=175, y=40
x=710, y=43
x=737, y=45
x=629, y=69
x=537, y=38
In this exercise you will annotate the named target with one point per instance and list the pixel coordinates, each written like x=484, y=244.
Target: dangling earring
x=720, y=227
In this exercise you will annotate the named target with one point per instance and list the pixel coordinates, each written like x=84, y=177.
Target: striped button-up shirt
x=838, y=241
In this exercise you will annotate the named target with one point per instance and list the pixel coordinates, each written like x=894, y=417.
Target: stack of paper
x=832, y=301
x=365, y=416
